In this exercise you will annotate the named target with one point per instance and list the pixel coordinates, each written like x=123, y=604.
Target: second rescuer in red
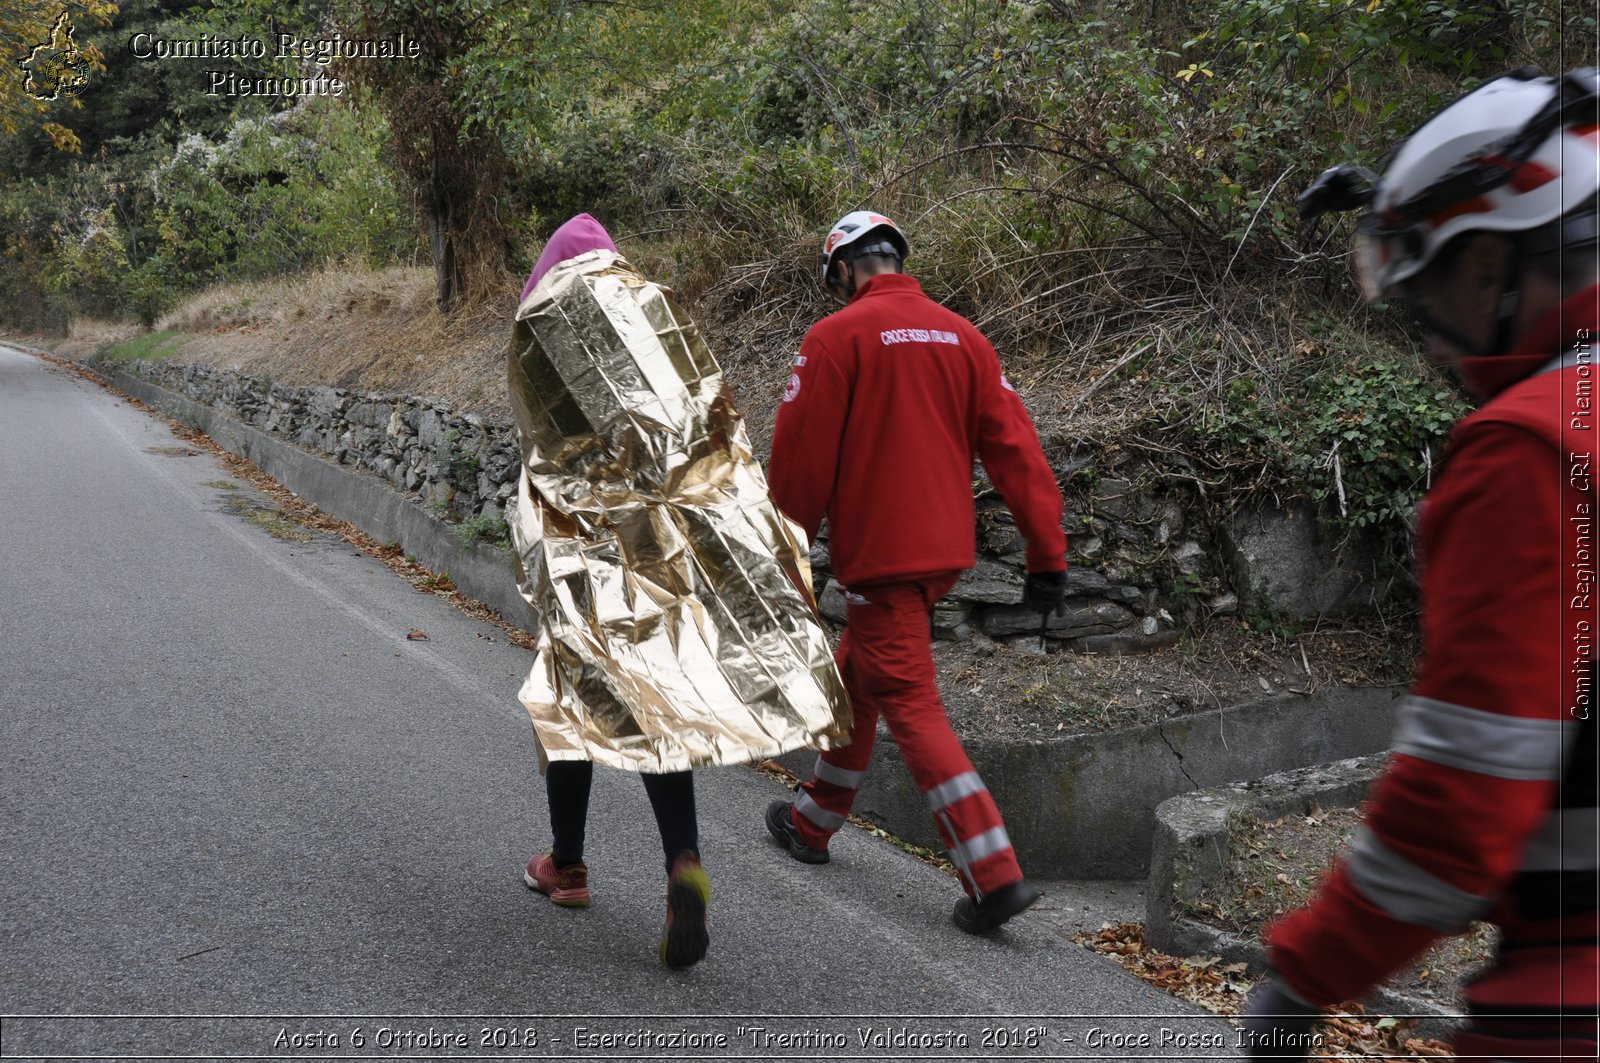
x=889, y=401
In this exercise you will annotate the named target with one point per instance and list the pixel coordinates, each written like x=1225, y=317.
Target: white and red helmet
x=1519, y=154
x=863, y=232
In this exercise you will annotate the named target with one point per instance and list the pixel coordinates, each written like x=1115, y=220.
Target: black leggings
x=566, y=787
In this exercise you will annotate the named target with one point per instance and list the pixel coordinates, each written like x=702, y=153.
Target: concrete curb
x=1085, y=806
x=479, y=571
x=1191, y=848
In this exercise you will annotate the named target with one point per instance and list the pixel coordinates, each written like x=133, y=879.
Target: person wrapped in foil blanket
x=676, y=624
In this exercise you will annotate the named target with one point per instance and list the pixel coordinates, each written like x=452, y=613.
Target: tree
x=494, y=77
x=458, y=174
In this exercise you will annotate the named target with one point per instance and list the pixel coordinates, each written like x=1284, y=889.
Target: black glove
x=1043, y=592
x=1277, y=1025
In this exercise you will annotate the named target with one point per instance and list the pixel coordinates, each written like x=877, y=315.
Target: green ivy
x=1361, y=441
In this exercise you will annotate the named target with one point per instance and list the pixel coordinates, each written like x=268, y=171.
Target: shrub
x=132, y=233
x=485, y=529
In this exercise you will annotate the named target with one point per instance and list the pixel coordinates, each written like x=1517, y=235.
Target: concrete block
x=1279, y=559
x=1190, y=850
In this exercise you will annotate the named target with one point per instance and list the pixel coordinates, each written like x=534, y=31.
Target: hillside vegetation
x=1105, y=188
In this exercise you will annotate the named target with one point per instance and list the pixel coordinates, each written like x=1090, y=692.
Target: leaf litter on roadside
x=1349, y=1033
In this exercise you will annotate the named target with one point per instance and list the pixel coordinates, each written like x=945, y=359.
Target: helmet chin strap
x=1510, y=308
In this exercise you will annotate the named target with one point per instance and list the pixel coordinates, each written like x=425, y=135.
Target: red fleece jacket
x=1503, y=565
x=889, y=401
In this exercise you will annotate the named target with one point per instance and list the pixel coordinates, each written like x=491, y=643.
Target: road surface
x=232, y=787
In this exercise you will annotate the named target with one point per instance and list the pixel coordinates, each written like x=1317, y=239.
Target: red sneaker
x=685, y=940
x=566, y=886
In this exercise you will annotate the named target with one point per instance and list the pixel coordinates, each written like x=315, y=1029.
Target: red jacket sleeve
x=1009, y=448
x=1480, y=745
x=804, y=465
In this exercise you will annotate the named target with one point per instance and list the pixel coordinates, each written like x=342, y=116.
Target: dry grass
x=379, y=331
x=1110, y=347
x=1000, y=691
x=340, y=326
x=89, y=335
x=1114, y=337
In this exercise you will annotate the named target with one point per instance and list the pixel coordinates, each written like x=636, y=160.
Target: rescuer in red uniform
x=889, y=400
x=1484, y=227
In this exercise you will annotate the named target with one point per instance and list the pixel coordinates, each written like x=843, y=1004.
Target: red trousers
x=887, y=666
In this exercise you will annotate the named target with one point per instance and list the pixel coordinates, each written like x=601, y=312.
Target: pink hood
x=577, y=235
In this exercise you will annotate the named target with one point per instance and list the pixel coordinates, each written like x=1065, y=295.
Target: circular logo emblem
x=70, y=73
x=793, y=389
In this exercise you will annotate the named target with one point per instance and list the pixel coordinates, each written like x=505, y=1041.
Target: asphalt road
x=231, y=787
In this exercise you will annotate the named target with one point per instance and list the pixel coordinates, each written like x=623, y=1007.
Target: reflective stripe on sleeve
x=994, y=840
x=817, y=814
x=1568, y=841
x=952, y=790
x=832, y=773
x=1506, y=747
x=1408, y=893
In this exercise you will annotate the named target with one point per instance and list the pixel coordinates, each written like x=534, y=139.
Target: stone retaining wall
x=459, y=464
x=1145, y=560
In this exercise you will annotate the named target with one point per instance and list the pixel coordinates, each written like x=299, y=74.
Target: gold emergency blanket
x=672, y=631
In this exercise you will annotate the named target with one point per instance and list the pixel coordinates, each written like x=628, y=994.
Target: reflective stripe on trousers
x=887, y=666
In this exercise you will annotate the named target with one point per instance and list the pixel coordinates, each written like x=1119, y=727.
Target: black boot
x=980, y=917
x=780, y=823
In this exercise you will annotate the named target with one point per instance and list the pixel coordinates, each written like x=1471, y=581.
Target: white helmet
x=853, y=230
x=1519, y=154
